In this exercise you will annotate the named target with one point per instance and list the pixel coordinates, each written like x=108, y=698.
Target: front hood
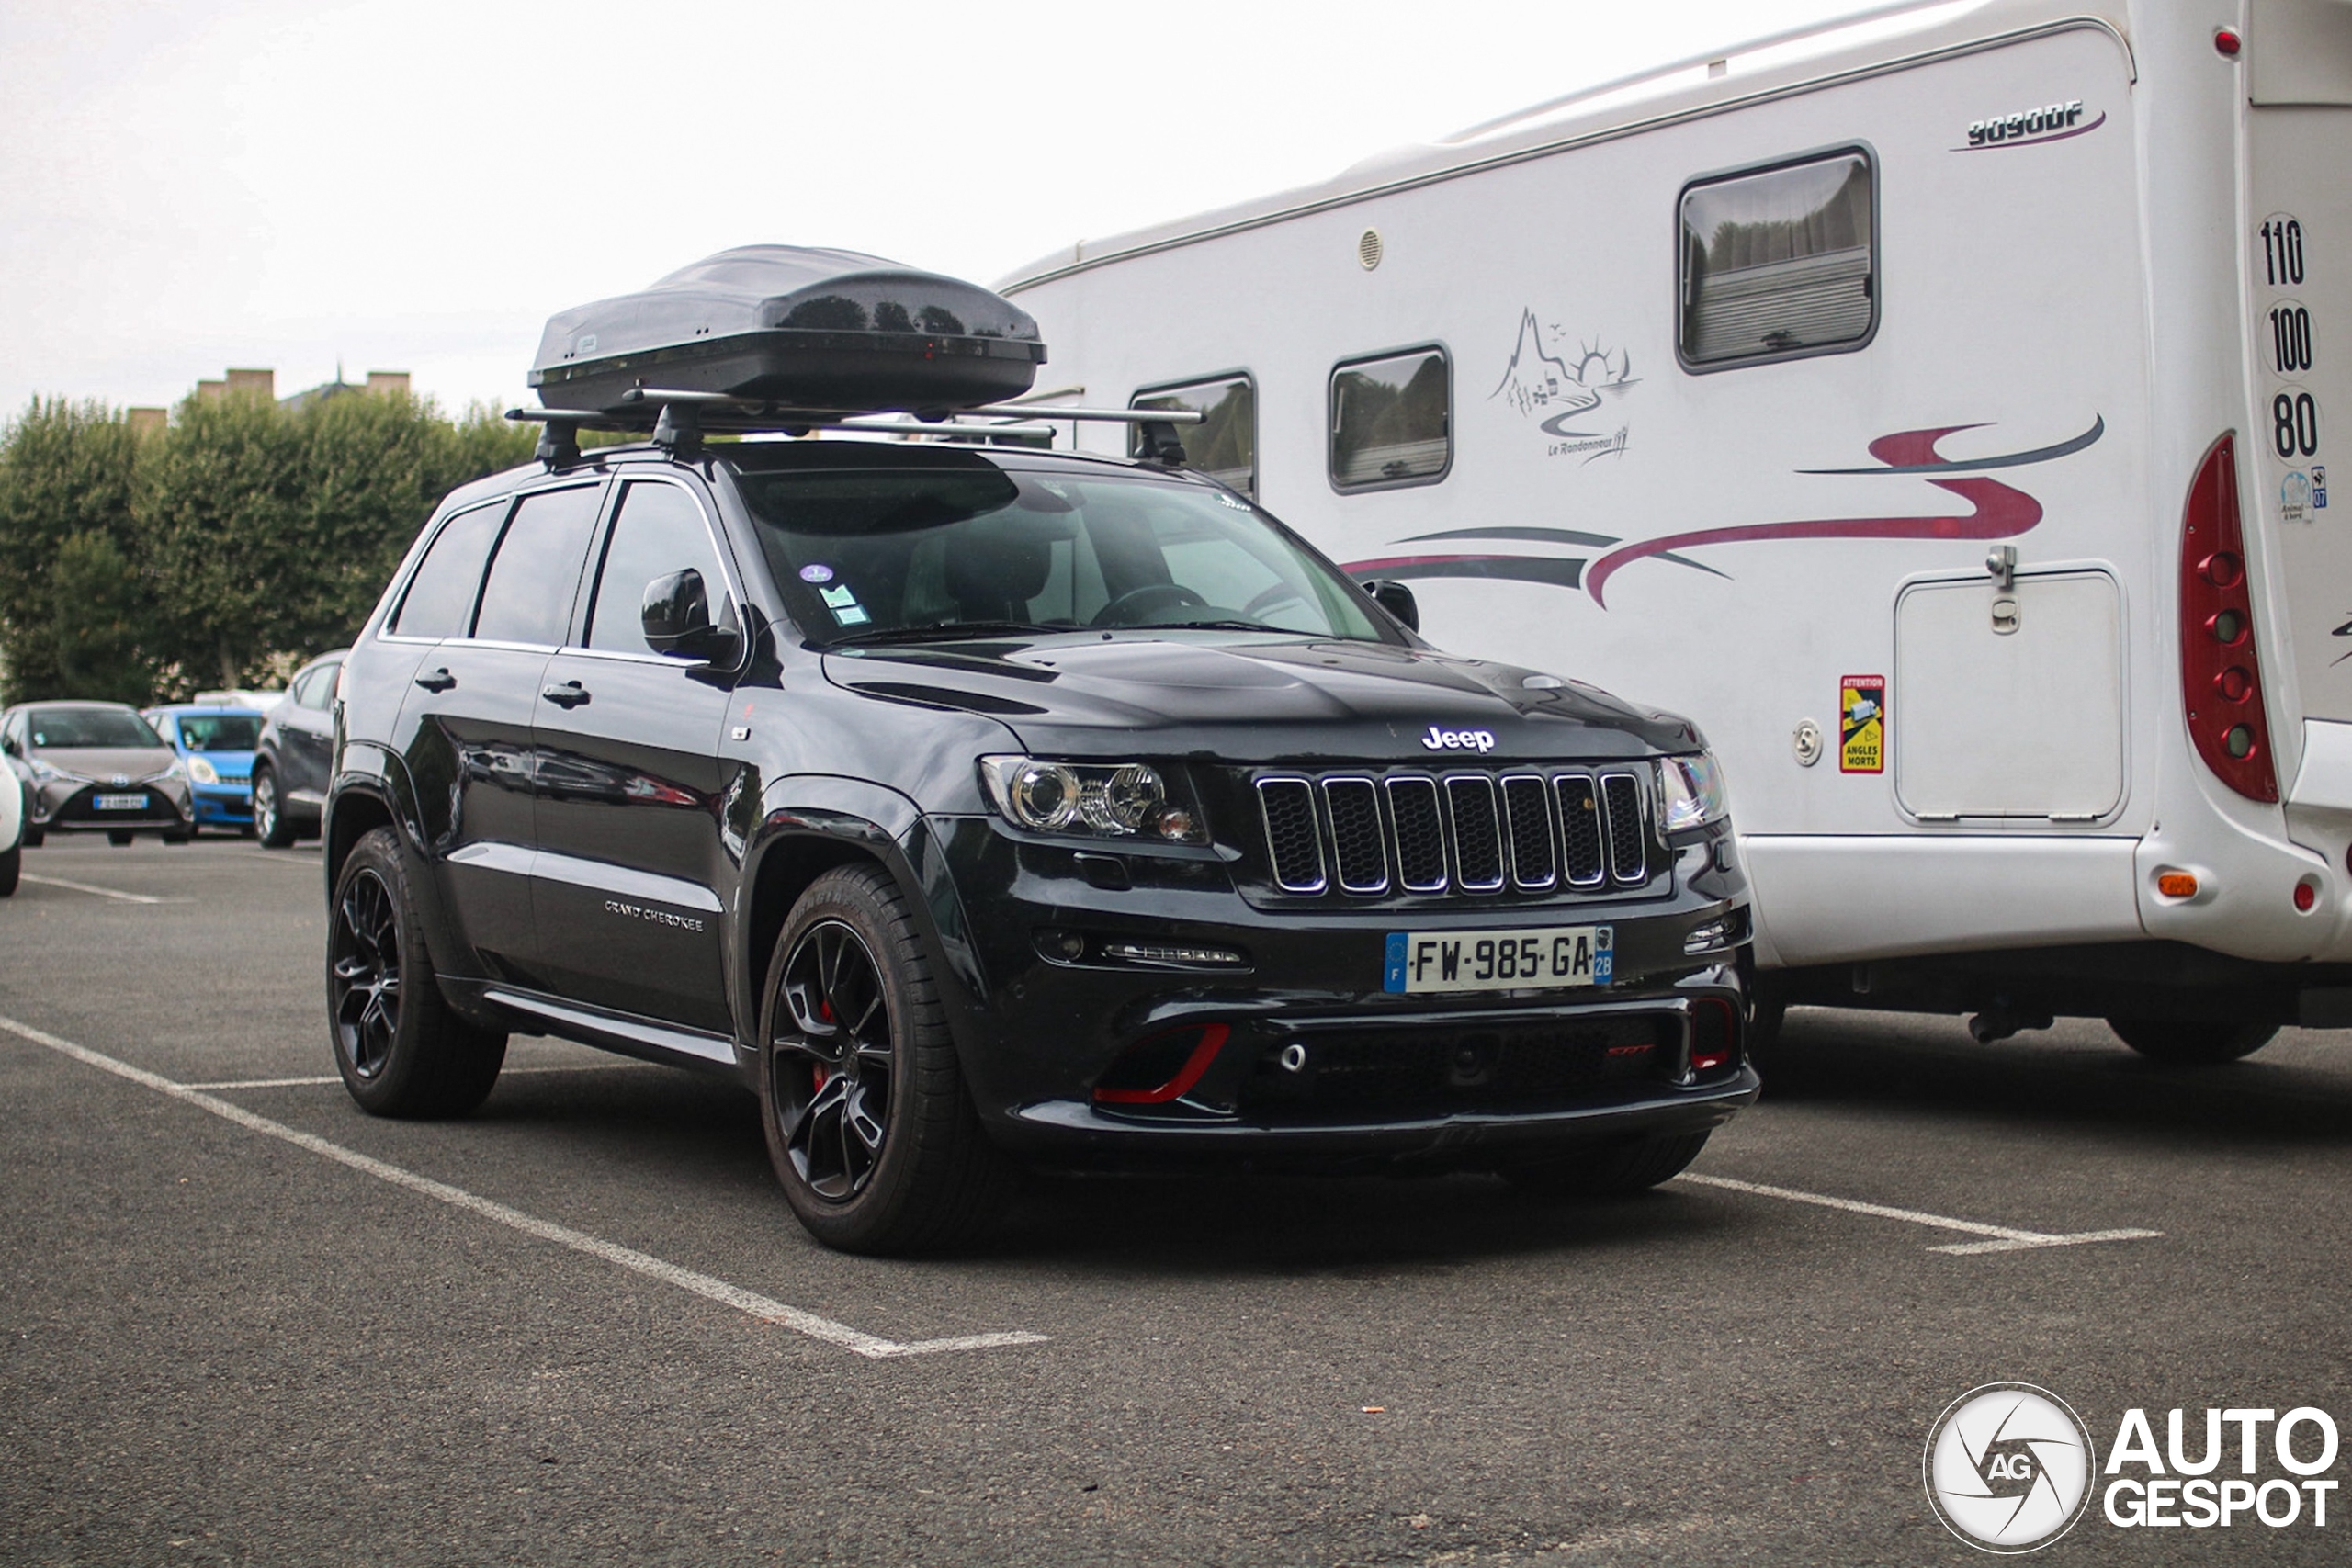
x=106, y=763
x=1277, y=700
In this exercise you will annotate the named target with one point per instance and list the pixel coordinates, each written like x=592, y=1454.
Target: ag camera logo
x=2009, y=1467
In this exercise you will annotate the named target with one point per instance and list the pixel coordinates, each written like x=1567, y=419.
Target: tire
x=120, y=838
x=1609, y=1170
x=11, y=865
x=2189, y=1041
x=401, y=1050
x=181, y=836
x=35, y=838
x=869, y=1125
x=271, y=824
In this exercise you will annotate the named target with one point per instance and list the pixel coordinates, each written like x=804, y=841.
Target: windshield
x=92, y=728
x=220, y=731
x=907, y=554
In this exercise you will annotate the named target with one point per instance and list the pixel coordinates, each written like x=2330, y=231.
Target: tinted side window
x=1391, y=420
x=527, y=596
x=1778, y=262
x=658, y=530
x=318, y=686
x=440, y=598
x=1224, y=446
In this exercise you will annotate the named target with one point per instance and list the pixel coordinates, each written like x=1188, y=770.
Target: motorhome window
x=660, y=530
x=1778, y=262
x=440, y=598
x=1224, y=446
x=1391, y=420
x=902, y=554
x=527, y=596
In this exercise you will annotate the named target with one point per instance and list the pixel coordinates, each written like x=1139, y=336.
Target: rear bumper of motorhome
x=1826, y=899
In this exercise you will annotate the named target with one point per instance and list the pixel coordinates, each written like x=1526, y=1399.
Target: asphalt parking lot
x=246, y=1323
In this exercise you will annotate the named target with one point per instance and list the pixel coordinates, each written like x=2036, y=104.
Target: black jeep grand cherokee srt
x=979, y=807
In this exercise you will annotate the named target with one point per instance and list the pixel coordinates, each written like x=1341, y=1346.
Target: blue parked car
x=217, y=746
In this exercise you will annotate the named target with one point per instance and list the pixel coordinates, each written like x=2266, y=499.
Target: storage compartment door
x=2024, y=722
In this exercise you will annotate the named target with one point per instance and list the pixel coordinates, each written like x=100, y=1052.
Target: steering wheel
x=1279, y=593
x=1130, y=607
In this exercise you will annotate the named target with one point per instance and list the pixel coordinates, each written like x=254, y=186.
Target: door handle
x=571, y=695
x=439, y=681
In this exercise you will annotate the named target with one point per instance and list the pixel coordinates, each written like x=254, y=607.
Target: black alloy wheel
x=402, y=1050
x=269, y=814
x=833, y=1067
x=364, y=973
x=871, y=1133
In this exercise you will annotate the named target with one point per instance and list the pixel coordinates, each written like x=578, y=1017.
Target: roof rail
x=678, y=419
x=1691, y=63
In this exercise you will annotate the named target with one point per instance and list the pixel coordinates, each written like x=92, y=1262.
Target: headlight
x=202, y=771
x=1117, y=800
x=1692, y=791
x=45, y=773
x=178, y=769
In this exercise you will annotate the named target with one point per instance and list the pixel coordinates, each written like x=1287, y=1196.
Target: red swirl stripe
x=2000, y=511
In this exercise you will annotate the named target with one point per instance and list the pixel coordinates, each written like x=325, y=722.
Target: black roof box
x=801, y=328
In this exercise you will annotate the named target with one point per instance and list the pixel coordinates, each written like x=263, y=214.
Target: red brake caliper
x=825, y=1011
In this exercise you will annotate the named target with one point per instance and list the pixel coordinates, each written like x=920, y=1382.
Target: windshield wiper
x=1215, y=626
x=945, y=631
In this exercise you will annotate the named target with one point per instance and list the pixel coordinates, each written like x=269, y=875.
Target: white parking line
x=2005, y=1238
x=101, y=891
x=751, y=1303
x=330, y=1077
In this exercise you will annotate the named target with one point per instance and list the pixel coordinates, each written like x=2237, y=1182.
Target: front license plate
x=1420, y=962
x=119, y=802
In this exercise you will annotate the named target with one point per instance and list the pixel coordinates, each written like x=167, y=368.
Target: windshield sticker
x=1861, y=724
x=843, y=603
x=819, y=572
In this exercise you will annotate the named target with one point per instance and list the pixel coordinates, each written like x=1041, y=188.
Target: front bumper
x=1297, y=1054
x=70, y=805
x=223, y=804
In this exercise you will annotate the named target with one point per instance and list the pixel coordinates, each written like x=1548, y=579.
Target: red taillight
x=2221, y=676
x=1714, y=1035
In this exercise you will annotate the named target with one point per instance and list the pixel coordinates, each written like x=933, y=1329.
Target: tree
x=68, y=476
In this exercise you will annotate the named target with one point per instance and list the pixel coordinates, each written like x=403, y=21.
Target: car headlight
x=1691, y=789
x=44, y=773
x=1116, y=800
x=178, y=769
x=203, y=772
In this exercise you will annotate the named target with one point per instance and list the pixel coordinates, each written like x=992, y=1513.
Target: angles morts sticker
x=1861, y=724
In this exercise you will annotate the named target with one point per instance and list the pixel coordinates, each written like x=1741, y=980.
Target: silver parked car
x=96, y=768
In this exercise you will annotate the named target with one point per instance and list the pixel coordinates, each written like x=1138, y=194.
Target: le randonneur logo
x=2010, y=1468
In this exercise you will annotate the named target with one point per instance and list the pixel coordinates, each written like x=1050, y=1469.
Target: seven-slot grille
x=1529, y=832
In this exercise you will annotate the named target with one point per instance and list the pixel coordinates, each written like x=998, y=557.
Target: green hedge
x=221, y=550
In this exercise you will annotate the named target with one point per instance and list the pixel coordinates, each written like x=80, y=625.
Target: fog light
x=1705, y=938
x=2177, y=884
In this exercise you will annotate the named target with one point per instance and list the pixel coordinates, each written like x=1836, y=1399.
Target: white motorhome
x=1935, y=404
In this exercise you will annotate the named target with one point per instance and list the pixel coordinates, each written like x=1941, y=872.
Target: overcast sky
x=417, y=186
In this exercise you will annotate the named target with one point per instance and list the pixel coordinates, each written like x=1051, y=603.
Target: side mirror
x=1398, y=600
x=676, y=613
x=8, y=744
